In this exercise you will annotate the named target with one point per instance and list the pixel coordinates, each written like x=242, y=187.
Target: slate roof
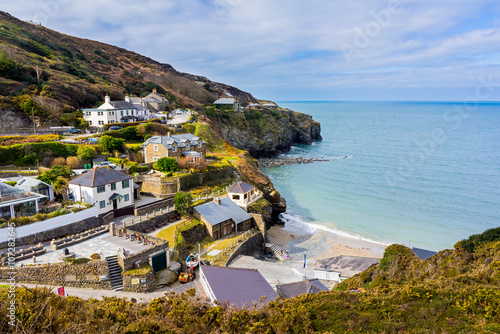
x=156, y=97
x=167, y=141
x=228, y=100
x=215, y=214
x=99, y=176
x=423, y=253
x=122, y=105
x=295, y=289
x=241, y=188
x=347, y=266
x=238, y=287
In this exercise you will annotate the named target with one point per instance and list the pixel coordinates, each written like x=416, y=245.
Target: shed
x=295, y=289
x=342, y=267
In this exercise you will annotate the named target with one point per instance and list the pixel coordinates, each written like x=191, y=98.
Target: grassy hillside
x=456, y=291
x=54, y=74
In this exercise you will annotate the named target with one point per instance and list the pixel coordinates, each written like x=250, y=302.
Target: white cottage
x=244, y=194
x=108, y=189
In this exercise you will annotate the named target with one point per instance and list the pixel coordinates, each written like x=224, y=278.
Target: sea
x=422, y=174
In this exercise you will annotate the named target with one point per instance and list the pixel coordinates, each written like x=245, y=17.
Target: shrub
x=108, y=143
x=73, y=162
x=474, y=241
x=182, y=202
x=51, y=175
x=85, y=152
x=59, y=161
x=137, y=169
x=81, y=260
x=166, y=164
x=95, y=256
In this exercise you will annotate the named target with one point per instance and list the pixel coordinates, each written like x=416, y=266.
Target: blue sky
x=298, y=50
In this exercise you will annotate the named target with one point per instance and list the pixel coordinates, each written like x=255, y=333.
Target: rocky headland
x=277, y=162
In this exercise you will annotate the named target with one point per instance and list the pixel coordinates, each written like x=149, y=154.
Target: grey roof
x=228, y=100
x=215, y=214
x=347, y=266
x=167, y=141
x=269, y=104
x=99, y=176
x=295, y=289
x=122, y=105
x=241, y=188
x=238, y=287
x=26, y=183
x=156, y=97
x=423, y=253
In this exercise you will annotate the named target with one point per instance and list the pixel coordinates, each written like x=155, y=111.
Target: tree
x=182, y=202
x=51, y=175
x=73, y=162
x=61, y=187
x=85, y=152
x=109, y=143
x=167, y=164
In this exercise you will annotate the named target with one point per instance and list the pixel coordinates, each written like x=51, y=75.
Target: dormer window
x=187, y=146
x=174, y=148
x=199, y=143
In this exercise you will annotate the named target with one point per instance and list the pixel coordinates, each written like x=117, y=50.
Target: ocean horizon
x=419, y=173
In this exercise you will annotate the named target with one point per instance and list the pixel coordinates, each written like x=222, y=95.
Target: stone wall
x=61, y=231
x=158, y=188
x=208, y=178
x=142, y=257
x=261, y=224
x=253, y=243
x=156, y=206
x=139, y=283
x=152, y=221
x=196, y=234
x=83, y=275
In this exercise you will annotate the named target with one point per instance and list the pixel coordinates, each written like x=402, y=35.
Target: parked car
x=73, y=130
x=115, y=127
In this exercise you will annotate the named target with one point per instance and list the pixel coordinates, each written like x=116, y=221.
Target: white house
x=108, y=189
x=111, y=112
x=38, y=186
x=342, y=267
x=244, y=194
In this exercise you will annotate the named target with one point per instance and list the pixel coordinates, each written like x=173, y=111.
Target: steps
x=115, y=273
x=279, y=253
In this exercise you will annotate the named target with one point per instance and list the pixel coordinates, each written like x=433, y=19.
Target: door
x=115, y=204
x=159, y=262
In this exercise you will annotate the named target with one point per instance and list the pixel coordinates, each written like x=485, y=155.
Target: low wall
x=83, y=275
x=142, y=257
x=206, y=178
x=152, y=221
x=251, y=244
x=139, y=283
x=57, y=232
x=156, y=206
x=261, y=224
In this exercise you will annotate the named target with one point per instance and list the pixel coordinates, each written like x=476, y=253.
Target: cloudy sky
x=302, y=50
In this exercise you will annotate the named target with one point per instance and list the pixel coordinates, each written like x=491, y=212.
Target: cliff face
x=267, y=134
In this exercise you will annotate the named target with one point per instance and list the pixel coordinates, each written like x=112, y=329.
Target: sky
x=295, y=50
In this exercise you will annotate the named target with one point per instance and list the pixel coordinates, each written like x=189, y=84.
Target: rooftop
x=215, y=213
x=100, y=176
x=241, y=188
x=227, y=100
x=295, y=289
x=423, y=253
x=347, y=265
x=238, y=287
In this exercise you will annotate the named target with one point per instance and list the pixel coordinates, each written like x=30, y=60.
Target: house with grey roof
x=236, y=287
x=108, y=189
x=31, y=184
x=244, y=194
x=295, y=289
x=111, y=112
x=153, y=103
x=222, y=217
x=228, y=103
x=185, y=145
x=342, y=267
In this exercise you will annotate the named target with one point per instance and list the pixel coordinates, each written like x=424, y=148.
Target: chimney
x=107, y=99
x=217, y=200
x=127, y=98
x=169, y=134
x=154, y=90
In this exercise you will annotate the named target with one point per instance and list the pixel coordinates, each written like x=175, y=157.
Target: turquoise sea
x=423, y=174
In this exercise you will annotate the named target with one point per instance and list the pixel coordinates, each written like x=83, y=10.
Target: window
x=101, y=189
x=132, y=112
x=236, y=197
x=174, y=148
x=122, y=112
x=100, y=113
x=126, y=198
x=187, y=146
x=101, y=122
x=90, y=122
x=125, y=184
x=199, y=144
x=102, y=204
x=113, y=186
x=155, y=159
x=127, y=112
x=155, y=148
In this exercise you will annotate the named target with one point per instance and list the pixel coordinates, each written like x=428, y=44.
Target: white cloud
x=268, y=46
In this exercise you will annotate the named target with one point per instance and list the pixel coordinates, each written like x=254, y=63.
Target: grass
x=138, y=272
x=168, y=234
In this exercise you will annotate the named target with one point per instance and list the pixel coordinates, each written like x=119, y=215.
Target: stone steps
x=115, y=273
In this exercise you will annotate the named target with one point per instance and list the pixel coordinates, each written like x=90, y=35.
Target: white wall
x=90, y=195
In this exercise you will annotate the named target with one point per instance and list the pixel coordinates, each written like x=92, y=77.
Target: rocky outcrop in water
x=263, y=163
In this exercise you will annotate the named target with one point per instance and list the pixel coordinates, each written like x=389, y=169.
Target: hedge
x=30, y=154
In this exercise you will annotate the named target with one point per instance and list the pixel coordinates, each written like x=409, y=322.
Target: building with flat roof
x=295, y=289
x=342, y=267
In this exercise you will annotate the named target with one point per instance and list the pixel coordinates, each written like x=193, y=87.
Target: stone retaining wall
x=251, y=244
x=61, y=231
x=163, y=204
x=152, y=221
x=83, y=275
x=139, y=283
x=206, y=179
